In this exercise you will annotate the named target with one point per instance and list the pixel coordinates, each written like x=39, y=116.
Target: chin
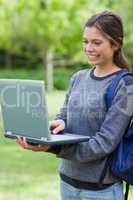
x=94, y=62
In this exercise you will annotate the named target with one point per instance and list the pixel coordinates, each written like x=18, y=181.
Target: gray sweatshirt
x=84, y=112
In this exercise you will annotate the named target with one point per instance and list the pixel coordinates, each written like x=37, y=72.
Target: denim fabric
x=114, y=192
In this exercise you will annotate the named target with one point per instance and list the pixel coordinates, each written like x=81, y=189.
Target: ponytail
x=120, y=60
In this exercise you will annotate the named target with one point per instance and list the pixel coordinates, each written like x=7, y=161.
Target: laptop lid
x=24, y=108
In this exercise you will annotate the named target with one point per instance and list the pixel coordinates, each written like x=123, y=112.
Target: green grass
x=26, y=174
x=54, y=100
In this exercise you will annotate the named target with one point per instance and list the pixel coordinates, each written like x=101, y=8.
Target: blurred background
x=42, y=40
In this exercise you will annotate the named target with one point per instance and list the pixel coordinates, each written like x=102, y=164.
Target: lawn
x=25, y=174
x=29, y=175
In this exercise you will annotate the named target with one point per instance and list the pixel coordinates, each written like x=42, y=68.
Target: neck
x=105, y=70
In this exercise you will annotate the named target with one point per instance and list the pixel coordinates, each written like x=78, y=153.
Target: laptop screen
x=24, y=107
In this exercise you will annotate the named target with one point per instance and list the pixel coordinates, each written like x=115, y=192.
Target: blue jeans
x=68, y=192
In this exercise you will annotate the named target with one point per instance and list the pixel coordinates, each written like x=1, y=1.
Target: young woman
x=84, y=112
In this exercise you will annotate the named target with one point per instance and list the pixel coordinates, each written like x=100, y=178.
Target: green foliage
x=22, y=74
x=33, y=27
x=61, y=79
x=61, y=76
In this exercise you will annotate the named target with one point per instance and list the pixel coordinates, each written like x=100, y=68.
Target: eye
x=97, y=43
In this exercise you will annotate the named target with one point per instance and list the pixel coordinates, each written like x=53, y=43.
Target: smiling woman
x=97, y=47
x=84, y=113
x=103, y=40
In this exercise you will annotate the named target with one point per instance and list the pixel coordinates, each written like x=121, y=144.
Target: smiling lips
x=92, y=56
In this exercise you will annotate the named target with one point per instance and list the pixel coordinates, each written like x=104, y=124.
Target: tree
x=52, y=29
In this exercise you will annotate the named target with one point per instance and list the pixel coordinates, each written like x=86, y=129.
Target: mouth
x=92, y=56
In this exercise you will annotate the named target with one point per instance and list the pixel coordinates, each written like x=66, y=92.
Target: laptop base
x=58, y=139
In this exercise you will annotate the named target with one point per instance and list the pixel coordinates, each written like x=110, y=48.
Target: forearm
x=106, y=140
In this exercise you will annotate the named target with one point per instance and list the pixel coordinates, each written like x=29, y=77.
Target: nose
x=89, y=47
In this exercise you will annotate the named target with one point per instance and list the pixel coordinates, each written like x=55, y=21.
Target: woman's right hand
x=57, y=125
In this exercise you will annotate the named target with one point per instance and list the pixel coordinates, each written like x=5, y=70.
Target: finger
x=43, y=147
x=19, y=141
x=58, y=129
x=24, y=143
x=36, y=148
x=56, y=122
x=53, y=125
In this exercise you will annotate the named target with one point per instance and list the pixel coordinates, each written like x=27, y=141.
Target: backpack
x=121, y=160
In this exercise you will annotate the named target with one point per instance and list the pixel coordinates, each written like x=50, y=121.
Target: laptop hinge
x=44, y=139
x=8, y=132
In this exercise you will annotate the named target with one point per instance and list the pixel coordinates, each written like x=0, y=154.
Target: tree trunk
x=49, y=70
x=8, y=61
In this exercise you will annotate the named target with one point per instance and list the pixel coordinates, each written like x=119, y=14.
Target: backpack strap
x=111, y=90
x=107, y=163
x=110, y=94
x=126, y=192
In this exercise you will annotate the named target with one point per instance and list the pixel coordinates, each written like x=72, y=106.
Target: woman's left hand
x=25, y=145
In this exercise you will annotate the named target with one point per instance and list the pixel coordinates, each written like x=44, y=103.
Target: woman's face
x=97, y=47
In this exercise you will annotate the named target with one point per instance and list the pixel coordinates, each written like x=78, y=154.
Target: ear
x=115, y=47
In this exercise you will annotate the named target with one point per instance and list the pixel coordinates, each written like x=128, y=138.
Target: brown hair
x=111, y=26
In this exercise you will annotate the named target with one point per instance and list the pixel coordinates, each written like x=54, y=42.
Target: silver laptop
x=24, y=112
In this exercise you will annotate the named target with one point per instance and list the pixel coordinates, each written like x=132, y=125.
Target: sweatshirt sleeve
x=113, y=128
x=63, y=114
